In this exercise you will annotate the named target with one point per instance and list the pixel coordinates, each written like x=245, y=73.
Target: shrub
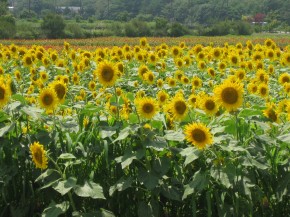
x=7, y=26
x=74, y=30
x=137, y=28
x=53, y=26
x=177, y=29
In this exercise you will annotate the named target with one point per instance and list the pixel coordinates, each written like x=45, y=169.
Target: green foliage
x=228, y=27
x=7, y=26
x=53, y=26
x=74, y=31
x=176, y=29
x=137, y=28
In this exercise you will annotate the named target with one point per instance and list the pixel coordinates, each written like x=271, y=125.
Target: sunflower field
x=145, y=130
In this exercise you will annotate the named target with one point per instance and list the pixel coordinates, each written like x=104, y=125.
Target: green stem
x=64, y=178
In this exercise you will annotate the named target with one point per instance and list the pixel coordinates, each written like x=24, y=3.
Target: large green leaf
x=54, y=210
x=65, y=186
x=148, y=178
x=90, y=189
x=158, y=143
x=198, y=183
x=121, y=185
x=66, y=156
x=6, y=129
x=129, y=156
x=284, y=138
x=190, y=154
x=172, y=135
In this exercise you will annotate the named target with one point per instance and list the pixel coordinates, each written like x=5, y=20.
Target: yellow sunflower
x=38, y=155
x=284, y=78
x=271, y=113
x=208, y=104
x=198, y=135
x=263, y=90
x=178, y=108
x=48, y=98
x=61, y=89
x=147, y=107
x=229, y=95
x=107, y=73
x=162, y=97
x=5, y=94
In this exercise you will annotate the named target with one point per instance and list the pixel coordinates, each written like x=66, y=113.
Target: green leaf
x=129, y=156
x=107, y=132
x=248, y=112
x=198, y=183
x=283, y=187
x=45, y=174
x=33, y=112
x=64, y=187
x=148, y=178
x=161, y=165
x=54, y=210
x=148, y=210
x=284, y=138
x=13, y=106
x=172, y=135
x=90, y=189
x=66, y=156
x=19, y=98
x=124, y=133
x=121, y=185
x=171, y=193
x=6, y=129
x=190, y=154
x=158, y=143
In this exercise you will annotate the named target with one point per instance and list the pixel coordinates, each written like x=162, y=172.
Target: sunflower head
x=229, y=95
x=5, y=94
x=38, y=155
x=198, y=135
x=147, y=107
x=107, y=73
x=48, y=98
x=178, y=108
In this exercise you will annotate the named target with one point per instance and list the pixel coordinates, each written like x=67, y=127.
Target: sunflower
x=142, y=70
x=17, y=75
x=193, y=100
x=287, y=88
x=286, y=59
x=222, y=66
x=143, y=42
x=147, y=107
x=107, y=73
x=48, y=98
x=234, y=59
x=5, y=94
x=217, y=52
x=196, y=82
x=171, y=81
x=198, y=135
x=149, y=77
x=208, y=104
x=211, y=72
x=271, y=113
x=178, y=108
x=252, y=87
x=162, y=97
x=240, y=74
x=60, y=88
x=263, y=90
x=284, y=78
x=38, y=155
x=43, y=76
x=175, y=50
x=229, y=95
x=92, y=85
x=27, y=60
x=160, y=83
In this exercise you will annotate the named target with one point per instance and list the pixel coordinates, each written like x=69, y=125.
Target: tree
x=53, y=25
x=3, y=7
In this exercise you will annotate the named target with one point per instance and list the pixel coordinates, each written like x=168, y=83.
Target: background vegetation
x=88, y=18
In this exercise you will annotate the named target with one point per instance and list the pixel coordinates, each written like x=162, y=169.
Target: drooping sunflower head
x=198, y=135
x=229, y=95
x=284, y=78
x=5, y=94
x=60, y=88
x=107, y=73
x=48, y=98
x=38, y=155
x=147, y=107
x=271, y=113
